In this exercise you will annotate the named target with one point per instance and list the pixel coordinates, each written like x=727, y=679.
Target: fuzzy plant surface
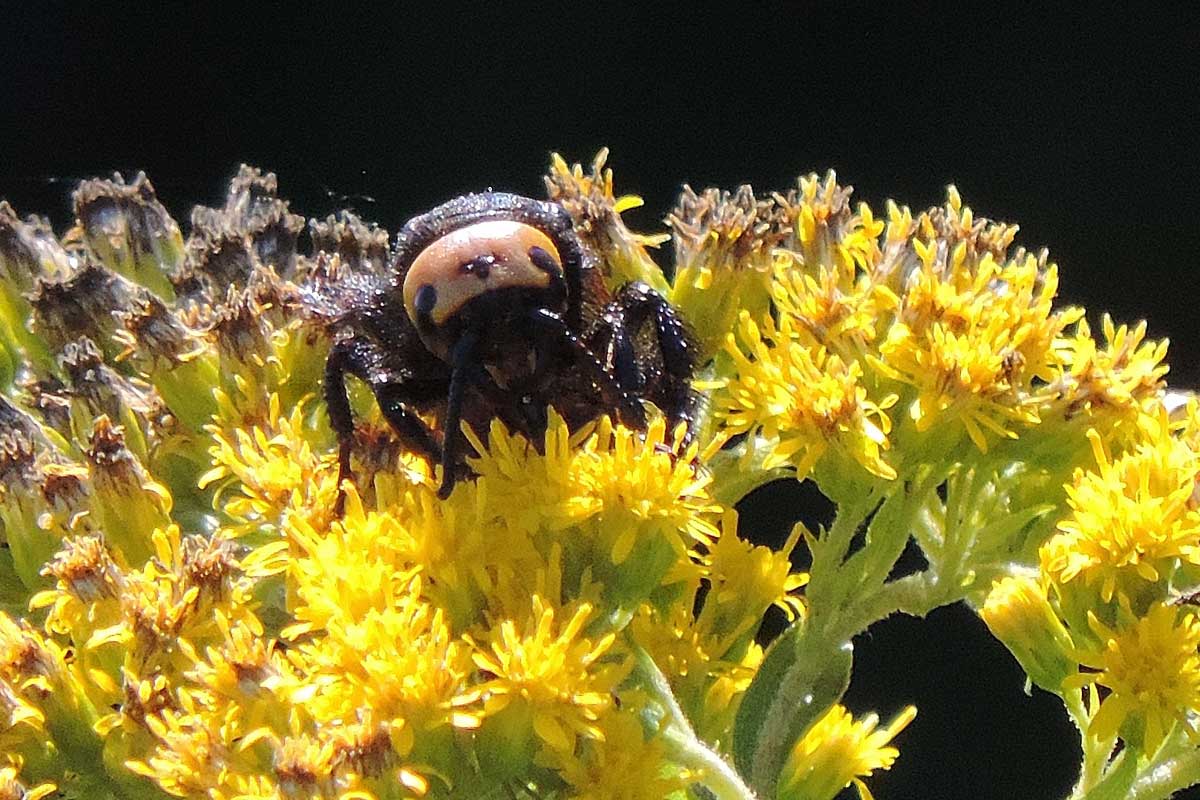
x=182, y=612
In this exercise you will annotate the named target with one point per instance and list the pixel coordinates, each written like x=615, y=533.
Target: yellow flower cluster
x=185, y=611
x=838, y=749
x=1106, y=621
x=930, y=316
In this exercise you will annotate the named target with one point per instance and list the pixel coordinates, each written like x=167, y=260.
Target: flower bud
x=253, y=229
x=128, y=504
x=42, y=495
x=98, y=390
x=1019, y=615
x=37, y=670
x=28, y=252
x=86, y=304
x=838, y=751
x=174, y=357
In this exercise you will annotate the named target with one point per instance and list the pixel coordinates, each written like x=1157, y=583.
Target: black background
x=1081, y=126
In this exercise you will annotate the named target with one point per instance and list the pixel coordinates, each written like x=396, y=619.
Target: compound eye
x=545, y=261
x=474, y=260
x=424, y=304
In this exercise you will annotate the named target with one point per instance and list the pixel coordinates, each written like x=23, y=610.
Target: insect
x=494, y=307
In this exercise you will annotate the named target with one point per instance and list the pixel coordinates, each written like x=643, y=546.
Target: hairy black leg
x=610, y=339
x=347, y=357
x=627, y=405
x=635, y=304
x=361, y=359
x=464, y=366
x=412, y=430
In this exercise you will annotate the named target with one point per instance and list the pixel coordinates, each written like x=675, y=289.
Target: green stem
x=1094, y=757
x=1162, y=780
x=718, y=776
x=915, y=595
x=848, y=595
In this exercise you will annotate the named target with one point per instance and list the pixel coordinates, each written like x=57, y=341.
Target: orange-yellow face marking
x=474, y=260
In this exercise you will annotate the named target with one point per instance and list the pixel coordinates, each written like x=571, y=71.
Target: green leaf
x=802, y=675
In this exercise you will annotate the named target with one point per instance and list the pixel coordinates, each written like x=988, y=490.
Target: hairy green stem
x=718, y=775
x=1161, y=780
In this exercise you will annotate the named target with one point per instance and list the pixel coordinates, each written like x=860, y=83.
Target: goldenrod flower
x=1115, y=386
x=724, y=251
x=747, y=580
x=804, y=400
x=402, y=663
x=19, y=673
x=275, y=467
x=626, y=763
x=1151, y=669
x=237, y=669
x=971, y=337
x=707, y=673
x=826, y=233
x=704, y=644
x=673, y=509
x=631, y=504
x=304, y=768
x=548, y=673
x=193, y=757
x=88, y=585
x=1131, y=519
x=42, y=695
x=833, y=307
x=839, y=751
